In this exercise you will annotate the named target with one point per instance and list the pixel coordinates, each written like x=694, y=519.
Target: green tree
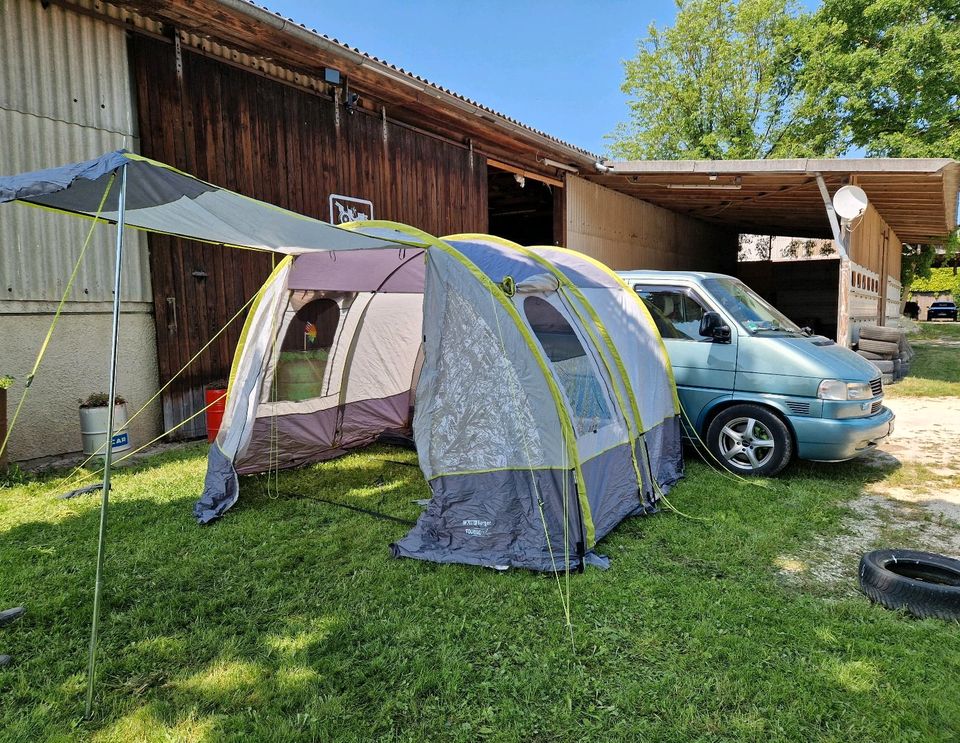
x=721, y=83
x=891, y=71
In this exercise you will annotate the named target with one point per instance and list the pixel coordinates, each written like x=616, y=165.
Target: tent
x=326, y=362
x=545, y=412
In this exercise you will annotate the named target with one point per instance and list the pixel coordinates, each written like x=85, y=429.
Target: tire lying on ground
x=887, y=349
x=923, y=583
x=880, y=333
x=870, y=355
x=884, y=365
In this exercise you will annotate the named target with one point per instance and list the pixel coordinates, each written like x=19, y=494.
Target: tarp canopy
x=163, y=199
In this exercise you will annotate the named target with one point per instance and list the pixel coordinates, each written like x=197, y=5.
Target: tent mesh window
x=305, y=350
x=570, y=364
x=472, y=368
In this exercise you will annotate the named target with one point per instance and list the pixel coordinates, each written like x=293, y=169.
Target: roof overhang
x=917, y=197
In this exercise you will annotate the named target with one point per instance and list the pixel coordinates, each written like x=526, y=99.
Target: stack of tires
x=887, y=349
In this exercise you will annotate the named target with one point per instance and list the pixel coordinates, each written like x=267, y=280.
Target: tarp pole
x=108, y=457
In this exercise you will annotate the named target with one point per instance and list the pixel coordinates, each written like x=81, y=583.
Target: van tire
x=886, y=349
x=880, y=333
x=729, y=430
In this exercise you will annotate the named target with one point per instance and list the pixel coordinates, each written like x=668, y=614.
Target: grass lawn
x=287, y=620
x=935, y=371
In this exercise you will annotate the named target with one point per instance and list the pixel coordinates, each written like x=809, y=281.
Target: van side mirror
x=713, y=326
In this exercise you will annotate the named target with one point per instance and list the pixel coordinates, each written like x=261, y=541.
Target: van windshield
x=748, y=308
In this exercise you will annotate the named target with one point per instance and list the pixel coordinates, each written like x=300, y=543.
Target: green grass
x=287, y=620
x=935, y=370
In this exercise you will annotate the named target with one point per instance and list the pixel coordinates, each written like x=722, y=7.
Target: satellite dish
x=850, y=202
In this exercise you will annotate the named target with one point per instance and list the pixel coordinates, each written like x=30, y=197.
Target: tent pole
x=108, y=457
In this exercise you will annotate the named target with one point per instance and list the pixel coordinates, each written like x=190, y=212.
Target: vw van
x=755, y=387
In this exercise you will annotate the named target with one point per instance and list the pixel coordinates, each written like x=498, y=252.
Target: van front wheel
x=750, y=440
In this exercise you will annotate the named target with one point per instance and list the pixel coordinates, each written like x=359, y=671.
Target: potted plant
x=216, y=401
x=94, y=414
x=6, y=382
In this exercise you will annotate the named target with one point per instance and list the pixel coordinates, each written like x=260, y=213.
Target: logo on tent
x=477, y=527
x=345, y=209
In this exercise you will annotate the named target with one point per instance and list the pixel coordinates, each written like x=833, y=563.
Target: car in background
x=942, y=311
x=753, y=386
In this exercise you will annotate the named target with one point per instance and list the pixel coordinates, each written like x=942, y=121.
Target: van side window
x=675, y=313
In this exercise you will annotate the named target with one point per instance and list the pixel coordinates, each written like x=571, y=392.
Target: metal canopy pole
x=840, y=238
x=108, y=457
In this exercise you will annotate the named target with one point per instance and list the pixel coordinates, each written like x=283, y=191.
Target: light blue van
x=758, y=389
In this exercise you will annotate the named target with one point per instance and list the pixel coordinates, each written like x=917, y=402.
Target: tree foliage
x=722, y=83
x=891, y=71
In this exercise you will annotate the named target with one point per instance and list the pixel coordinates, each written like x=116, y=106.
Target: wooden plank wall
x=287, y=146
x=873, y=243
x=627, y=233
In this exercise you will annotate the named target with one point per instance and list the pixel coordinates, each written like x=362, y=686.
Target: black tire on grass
x=923, y=583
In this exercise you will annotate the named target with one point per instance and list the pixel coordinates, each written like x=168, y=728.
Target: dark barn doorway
x=521, y=208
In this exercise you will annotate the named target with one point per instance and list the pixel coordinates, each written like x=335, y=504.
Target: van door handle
x=172, y=314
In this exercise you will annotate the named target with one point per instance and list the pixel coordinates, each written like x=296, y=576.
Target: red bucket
x=216, y=401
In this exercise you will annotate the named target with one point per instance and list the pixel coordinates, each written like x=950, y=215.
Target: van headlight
x=836, y=389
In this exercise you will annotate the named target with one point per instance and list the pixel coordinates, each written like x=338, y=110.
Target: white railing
x=864, y=302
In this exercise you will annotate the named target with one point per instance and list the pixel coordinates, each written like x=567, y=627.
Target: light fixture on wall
x=558, y=165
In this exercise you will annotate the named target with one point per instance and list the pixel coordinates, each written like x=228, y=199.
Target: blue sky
x=552, y=64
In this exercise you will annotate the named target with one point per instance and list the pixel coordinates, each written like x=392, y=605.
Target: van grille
x=876, y=386
x=799, y=408
x=875, y=408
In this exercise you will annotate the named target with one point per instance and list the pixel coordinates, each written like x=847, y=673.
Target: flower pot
x=216, y=401
x=93, y=429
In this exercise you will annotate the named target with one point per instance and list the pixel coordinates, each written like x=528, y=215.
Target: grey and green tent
x=545, y=411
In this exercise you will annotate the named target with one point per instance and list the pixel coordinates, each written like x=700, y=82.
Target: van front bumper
x=833, y=440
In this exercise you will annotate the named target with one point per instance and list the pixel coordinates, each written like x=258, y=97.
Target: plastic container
x=216, y=399
x=93, y=429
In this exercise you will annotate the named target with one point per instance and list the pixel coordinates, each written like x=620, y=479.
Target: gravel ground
x=918, y=513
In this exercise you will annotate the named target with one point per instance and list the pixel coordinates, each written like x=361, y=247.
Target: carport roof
x=917, y=197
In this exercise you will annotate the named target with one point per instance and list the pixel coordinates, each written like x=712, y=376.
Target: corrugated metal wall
x=65, y=95
x=626, y=233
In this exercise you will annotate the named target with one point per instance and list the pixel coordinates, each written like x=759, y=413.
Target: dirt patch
x=927, y=432
x=917, y=506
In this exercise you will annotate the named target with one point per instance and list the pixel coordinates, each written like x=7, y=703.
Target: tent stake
x=108, y=457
